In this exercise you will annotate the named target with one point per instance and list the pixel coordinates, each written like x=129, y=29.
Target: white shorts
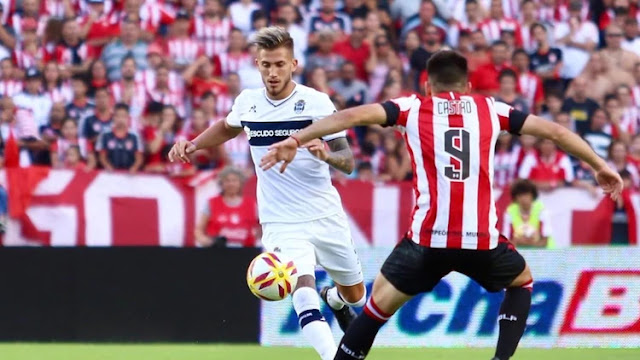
x=326, y=242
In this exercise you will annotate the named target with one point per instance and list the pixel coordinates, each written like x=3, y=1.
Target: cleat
x=345, y=316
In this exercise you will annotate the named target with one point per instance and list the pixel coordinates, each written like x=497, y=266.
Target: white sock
x=314, y=327
x=334, y=299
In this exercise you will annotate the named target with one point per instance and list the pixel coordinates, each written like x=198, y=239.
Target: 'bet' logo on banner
x=605, y=301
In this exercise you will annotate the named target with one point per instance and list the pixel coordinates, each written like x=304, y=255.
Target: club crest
x=299, y=106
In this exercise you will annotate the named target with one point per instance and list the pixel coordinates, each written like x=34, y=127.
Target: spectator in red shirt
x=485, y=79
x=198, y=77
x=73, y=159
x=99, y=27
x=229, y=219
x=355, y=49
x=549, y=168
x=158, y=134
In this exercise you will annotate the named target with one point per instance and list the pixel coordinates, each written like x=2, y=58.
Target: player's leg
x=291, y=240
x=336, y=254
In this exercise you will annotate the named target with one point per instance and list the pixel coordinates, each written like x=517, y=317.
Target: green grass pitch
x=250, y=352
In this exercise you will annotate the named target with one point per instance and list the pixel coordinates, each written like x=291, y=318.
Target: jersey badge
x=299, y=106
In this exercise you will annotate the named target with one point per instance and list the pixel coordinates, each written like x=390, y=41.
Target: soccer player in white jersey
x=450, y=136
x=300, y=211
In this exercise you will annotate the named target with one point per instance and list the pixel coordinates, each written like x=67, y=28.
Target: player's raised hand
x=180, y=151
x=610, y=181
x=316, y=148
x=283, y=151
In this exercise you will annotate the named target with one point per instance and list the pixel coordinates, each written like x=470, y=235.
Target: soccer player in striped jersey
x=451, y=136
x=300, y=211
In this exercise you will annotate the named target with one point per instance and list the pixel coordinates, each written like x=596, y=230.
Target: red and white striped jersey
x=153, y=15
x=8, y=7
x=60, y=147
x=451, y=139
x=232, y=63
x=147, y=78
x=9, y=88
x=62, y=93
x=170, y=97
x=224, y=103
x=63, y=55
x=504, y=168
x=23, y=59
x=184, y=51
x=16, y=22
x=213, y=36
x=54, y=8
x=530, y=86
x=138, y=100
x=492, y=28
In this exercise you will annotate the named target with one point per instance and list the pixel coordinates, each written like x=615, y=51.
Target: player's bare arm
x=609, y=180
x=339, y=155
x=215, y=135
x=360, y=115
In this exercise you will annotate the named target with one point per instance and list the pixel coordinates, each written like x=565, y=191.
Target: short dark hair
x=609, y=97
x=154, y=108
x=207, y=94
x=625, y=174
x=522, y=187
x=273, y=37
x=80, y=77
x=101, y=88
x=447, y=68
x=507, y=73
x=519, y=52
x=121, y=106
x=499, y=43
x=127, y=58
x=537, y=25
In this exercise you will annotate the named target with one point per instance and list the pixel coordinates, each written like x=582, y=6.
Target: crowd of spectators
x=113, y=83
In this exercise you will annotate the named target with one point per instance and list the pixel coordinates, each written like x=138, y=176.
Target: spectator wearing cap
x=80, y=107
x=120, y=148
x=212, y=28
x=7, y=36
x=355, y=49
x=99, y=27
x=631, y=40
x=182, y=50
x=9, y=83
x=577, y=38
x=236, y=57
x=485, y=79
x=128, y=91
x=101, y=119
x=353, y=91
x=128, y=45
x=328, y=19
x=240, y=13
x=33, y=98
x=72, y=51
x=615, y=55
x=546, y=61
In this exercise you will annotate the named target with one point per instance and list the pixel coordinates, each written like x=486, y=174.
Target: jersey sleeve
x=511, y=120
x=398, y=110
x=233, y=119
x=324, y=107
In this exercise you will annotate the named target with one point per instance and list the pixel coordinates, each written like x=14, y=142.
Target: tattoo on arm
x=341, y=157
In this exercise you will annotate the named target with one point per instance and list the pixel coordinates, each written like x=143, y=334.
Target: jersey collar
x=277, y=103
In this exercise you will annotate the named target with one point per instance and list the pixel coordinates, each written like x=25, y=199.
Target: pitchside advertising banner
x=581, y=297
x=78, y=208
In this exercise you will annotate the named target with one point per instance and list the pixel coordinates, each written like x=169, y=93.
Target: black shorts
x=414, y=269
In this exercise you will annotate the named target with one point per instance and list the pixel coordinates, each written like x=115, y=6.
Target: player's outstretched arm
x=286, y=150
x=609, y=180
x=215, y=135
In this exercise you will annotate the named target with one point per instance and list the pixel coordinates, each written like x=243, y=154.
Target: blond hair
x=273, y=37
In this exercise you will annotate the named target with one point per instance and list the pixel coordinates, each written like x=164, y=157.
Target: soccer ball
x=272, y=277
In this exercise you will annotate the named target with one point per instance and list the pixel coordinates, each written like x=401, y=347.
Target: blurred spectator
x=325, y=57
x=579, y=106
x=99, y=26
x=507, y=92
x=634, y=152
x=472, y=22
x=352, y=90
x=411, y=44
x=159, y=134
x=72, y=51
x=328, y=19
x=29, y=52
x=7, y=35
x=164, y=94
x=553, y=105
x=288, y=18
x=33, y=98
x=19, y=123
x=365, y=172
x=631, y=40
x=602, y=80
x=479, y=53
x=630, y=112
x=156, y=58
x=485, y=79
x=529, y=83
x=526, y=221
x=80, y=107
x=397, y=164
x=623, y=127
x=53, y=129
x=498, y=22
x=426, y=16
x=128, y=91
x=181, y=47
x=549, y=168
x=212, y=28
x=60, y=148
x=546, y=61
x=401, y=11
x=236, y=57
x=54, y=87
x=120, y=148
x=10, y=85
x=599, y=135
x=128, y=45
x=615, y=55
x=97, y=76
x=432, y=43
x=383, y=59
x=355, y=9
x=504, y=160
x=577, y=38
x=231, y=218
x=354, y=49
x=317, y=79
x=199, y=78
x=101, y=119
x=617, y=160
x=240, y=13
x=30, y=10
x=563, y=119
x=528, y=20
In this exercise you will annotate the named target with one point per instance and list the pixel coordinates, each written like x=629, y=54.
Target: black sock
x=512, y=319
x=358, y=339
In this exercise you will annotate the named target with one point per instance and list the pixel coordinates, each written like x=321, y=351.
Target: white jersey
x=304, y=192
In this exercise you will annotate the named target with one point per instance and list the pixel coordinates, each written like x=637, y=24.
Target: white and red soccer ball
x=271, y=276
